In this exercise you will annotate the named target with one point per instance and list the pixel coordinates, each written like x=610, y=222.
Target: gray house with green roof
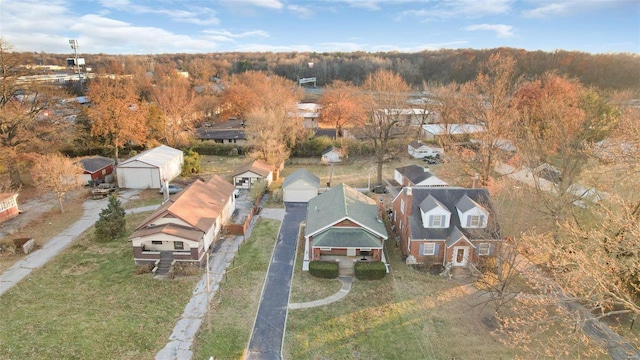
x=344, y=225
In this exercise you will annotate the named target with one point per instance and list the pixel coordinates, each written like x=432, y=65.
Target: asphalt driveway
x=268, y=330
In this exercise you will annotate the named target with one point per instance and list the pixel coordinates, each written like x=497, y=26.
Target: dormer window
x=437, y=220
x=475, y=220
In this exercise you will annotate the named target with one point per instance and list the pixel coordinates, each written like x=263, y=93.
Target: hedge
x=370, y=270
x=208, y=148
x=324, y=269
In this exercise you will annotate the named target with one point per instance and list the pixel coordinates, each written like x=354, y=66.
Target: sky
x=206, y=26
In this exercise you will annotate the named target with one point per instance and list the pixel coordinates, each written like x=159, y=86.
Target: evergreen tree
x=111, y=224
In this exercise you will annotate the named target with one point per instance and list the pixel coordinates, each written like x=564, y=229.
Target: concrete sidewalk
x=344, y=291
x=56, y=244
x=186, y=329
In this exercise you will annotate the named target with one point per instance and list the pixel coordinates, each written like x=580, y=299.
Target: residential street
x=268, y=330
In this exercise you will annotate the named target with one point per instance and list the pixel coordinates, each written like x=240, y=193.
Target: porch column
x=305, y=263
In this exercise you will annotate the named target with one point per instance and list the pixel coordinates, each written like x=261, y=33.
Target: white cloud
x=224, y=35
x=459, y=8
x=501, y=30
x=303, y=12
x=547, y=8
x=270, y=4
x=189, y=14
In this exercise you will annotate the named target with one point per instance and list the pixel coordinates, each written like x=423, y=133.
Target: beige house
x=186, y=226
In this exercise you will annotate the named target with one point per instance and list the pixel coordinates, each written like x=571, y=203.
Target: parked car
x=432, y=160
x=103, y=190
x=172, y=189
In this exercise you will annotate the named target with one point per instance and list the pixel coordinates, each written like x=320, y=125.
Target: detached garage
x=148, y=169
x=300, y=186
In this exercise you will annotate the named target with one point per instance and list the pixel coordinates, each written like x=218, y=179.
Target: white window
x=402, y=205
x=429, y=249
x=437, y=220
x=474, y=221
x=325, y=249
x=484, y=249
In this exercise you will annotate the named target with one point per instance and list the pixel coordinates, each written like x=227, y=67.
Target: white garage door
x=139, y=178
x=291, y=195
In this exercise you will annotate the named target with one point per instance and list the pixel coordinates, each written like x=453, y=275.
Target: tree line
x=615, y=71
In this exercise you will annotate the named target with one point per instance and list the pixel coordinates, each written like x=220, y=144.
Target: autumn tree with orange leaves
x=117, y=114
x=342, y=106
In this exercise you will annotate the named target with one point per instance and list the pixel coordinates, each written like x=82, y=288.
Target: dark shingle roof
x=95, y=163
x=416, y=174
x=449, y=197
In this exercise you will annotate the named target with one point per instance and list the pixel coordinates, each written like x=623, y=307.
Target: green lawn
x=407, y=315
x=87, y=304
x=226, y=333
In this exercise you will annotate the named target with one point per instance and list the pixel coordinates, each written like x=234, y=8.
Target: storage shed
x=300, y=186
x=149, y=169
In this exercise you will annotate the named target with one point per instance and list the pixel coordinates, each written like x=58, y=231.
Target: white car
x=172, y=189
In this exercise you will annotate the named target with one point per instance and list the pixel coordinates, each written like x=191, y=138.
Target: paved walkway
x=269, y=326
x=56, y=244
x=186, y=329
x=344, y=291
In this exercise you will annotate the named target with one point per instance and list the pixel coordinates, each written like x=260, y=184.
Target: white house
x=249, y=173
x=331, y=154
x=150, y=169
x=419, y=150
x=300, y=186
x=309, y=113
x=414, y=175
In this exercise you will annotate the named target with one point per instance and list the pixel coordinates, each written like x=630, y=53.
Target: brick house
x=446, y=226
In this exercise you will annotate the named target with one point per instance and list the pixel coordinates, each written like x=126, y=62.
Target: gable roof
x=429, y=203
x=258, y=166
x=157, y=156
x=95, y=163
x=416, y=174
x=339, y=203
x=198, y=205
x=301, y=174
x=449, y=197
x=332, y=148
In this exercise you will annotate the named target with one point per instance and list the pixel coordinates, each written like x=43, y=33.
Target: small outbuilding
x=331, y=154
x=96, y=170
x=300, y=186
x=414, y=175
x=150, y=169
x=249, y=173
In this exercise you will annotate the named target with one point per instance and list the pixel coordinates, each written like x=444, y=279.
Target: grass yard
x=226, y=334
x=407, y=315
x=87, y=304
x=44, y=227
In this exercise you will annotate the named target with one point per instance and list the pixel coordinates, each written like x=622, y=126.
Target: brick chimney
x=408, y=200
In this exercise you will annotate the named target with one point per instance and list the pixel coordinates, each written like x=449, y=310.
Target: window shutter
x=490, y=249
x=481, y=222
x=436, y=249
x=468, y=220
x=421, y=249
x=430, y=220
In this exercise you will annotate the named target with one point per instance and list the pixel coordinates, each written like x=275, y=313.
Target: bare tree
x=56, y=173
x=387, y=96
x=487, y=102
x=342, y=106
x=25, y=128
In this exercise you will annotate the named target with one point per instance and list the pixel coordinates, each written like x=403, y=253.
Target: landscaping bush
x=324, y=269
x=370, y=270
x=143, y=269
x=111, y=224
x=205, y=148
x=191, y=163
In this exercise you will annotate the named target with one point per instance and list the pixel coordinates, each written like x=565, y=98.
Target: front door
x=460, y=255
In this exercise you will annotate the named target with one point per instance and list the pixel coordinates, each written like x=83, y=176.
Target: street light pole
x=74, y=46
